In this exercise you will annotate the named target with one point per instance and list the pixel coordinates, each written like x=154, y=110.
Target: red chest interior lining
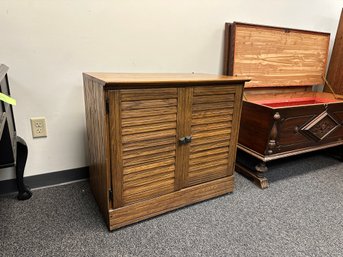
x=294, y=101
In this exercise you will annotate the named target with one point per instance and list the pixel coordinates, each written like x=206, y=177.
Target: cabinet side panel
x=97, y=143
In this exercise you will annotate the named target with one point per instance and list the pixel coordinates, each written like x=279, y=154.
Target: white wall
x=48, y=44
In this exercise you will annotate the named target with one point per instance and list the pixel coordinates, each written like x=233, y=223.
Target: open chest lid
x=275, y=57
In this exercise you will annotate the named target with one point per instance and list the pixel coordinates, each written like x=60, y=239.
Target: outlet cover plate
x=38, y=127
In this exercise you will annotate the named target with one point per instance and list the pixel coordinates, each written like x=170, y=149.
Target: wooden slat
x=148, y=151
x=208, y=175
x=198, y=91
x=148, y=191
x=209, y=165
x=213, y=98
x=210, y=158
x=211, y=126
x=149, y=158
x=134, y=121
x=206, y=134
x=148, y=128
x=211, y=113
x=148, y=94
x=218, y=169
x=150, y=172
x=209, y=152
x=147, y=104
x=132, y=146
x=139, y=182
x=213, y=119
x=149, y=135
x=212, y=106
x=211, y=140
x=148, y=112
x=147, y=166
x=217, y=143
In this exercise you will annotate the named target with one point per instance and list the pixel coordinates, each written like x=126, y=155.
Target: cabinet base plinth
x=139, y=211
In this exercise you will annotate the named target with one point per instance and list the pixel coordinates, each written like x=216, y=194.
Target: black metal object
x=185, y=140
x=13, y=149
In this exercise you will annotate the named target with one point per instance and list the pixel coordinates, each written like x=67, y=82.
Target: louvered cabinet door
x=143, y=143
x=212, y=151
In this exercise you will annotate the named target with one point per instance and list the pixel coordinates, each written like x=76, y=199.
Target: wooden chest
x=158, y=142
x=282, y=115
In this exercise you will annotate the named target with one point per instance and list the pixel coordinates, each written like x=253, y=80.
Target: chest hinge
x=110, y=194
x=107, y=103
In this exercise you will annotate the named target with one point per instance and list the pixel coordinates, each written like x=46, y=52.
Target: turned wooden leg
x=261, y=167
x=24, y=191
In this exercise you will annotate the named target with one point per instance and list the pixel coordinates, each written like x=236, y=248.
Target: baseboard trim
x=48, y=179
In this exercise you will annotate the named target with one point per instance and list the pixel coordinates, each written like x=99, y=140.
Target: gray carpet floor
x=300, y=214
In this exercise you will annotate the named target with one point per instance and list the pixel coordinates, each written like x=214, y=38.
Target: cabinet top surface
x=158, y=78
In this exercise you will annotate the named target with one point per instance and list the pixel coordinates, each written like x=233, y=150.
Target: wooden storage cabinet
x=159, y=142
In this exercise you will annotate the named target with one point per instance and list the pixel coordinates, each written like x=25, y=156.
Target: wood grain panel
x=149, y=143
x=143, y=183
x=274, y=57
x=98, y=144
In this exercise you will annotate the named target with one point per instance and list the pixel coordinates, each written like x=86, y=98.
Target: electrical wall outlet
x=38, y=127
